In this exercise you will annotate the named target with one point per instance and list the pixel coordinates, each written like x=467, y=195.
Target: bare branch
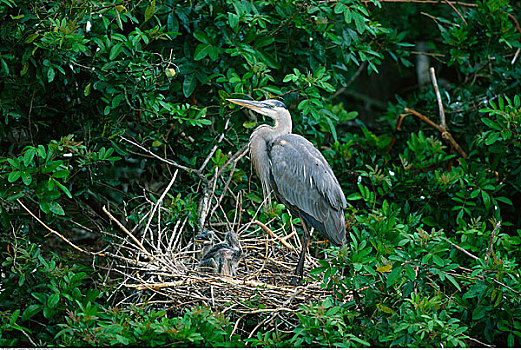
x=56, y=232
x=438, y=98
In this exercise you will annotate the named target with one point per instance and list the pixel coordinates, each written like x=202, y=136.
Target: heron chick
x=223, y=258
x=299, y=175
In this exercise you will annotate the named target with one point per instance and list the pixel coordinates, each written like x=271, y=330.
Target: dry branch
x=143, y=249
x=443, y=124
x=56, y=232
x=492, y=235
x=444, y=133
x=272, y=234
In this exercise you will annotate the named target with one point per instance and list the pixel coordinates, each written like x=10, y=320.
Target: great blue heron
x=222, y=258
x=299, y=175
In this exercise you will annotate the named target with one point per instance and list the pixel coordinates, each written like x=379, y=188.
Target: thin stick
x=56, y=232
x=272, y=234
x=235, y=326
x=456, y=10
x=167, y=161
x=127, y=232
x=435, y=2
x=460, y=249
x=444, y=133
x=158, y=203
x=438, y=97
x=492, y=235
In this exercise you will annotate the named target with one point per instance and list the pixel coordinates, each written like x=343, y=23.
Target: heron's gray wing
x=305, y=180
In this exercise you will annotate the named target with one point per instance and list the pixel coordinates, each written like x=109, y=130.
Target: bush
x=434, y=234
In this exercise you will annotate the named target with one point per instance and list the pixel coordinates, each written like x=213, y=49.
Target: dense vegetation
x=434, y=231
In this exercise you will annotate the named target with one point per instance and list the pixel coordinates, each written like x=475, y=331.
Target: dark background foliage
x=433, y=237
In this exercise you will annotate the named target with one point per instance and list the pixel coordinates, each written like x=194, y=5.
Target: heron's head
x=205, y=237
x=271, y=108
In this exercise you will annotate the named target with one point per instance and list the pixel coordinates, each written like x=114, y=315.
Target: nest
x=159, y=261
x=162, y=266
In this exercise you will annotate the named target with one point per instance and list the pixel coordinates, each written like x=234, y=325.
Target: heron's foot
x=295, y=280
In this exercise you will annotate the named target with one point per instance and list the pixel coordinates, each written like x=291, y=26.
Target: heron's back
x=304, y=181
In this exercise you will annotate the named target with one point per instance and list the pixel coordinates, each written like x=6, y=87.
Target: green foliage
x=76, y=77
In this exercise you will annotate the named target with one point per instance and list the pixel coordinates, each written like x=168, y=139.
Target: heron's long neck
x=283, y=124
x=259, y=141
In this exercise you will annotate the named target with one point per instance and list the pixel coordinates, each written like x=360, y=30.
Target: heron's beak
x=247, y=103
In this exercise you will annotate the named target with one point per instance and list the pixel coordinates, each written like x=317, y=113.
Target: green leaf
x=5, y=67
x=115, y=51
x=332, y=128
x=393, y=276
x=189, y=85
x=233, y=21
x=56, y=208
x=86, y=91
x=490, y=123
x=150, y=10
x=29, y=156
x=31, y=311
x=453, y=281
x=14, y=317
x=61, y=173
x=249, y=124
x=201, y=51
x=50, y=74
x=409, y=271
x=31, y=37
x=50, y=166
x=41, y=151
x=504, y=200
x=53, y=300
x=479, y=312
x=437, y=260
x=202, y=37
x=26, y=178
x=354, y=197
x=63, y=188
x=44, y=206
x=118, y=18
x=14, y=175
x=486, y=199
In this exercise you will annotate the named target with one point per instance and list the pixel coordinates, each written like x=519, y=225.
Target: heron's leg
x=306, y=239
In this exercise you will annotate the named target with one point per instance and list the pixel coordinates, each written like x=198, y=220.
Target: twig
x=127, y=232
x=444, y=133
x=204, y=204
x=56, y=232
x=456, y=10
x=507, y=287
x=272, y=234
x=492, y=235
x=158, y=203
x=26, y=335
x=167, y=161
x=515, y=56
x=435, y=2
x=438, y=98
x=235, y=326
x=476, y=258
x=480, y=342
x=260, y=311
x=460, y=249
x=351, y=80
x=288, y=301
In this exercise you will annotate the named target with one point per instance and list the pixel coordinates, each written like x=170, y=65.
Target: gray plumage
x=297, y=172
x=222, y=258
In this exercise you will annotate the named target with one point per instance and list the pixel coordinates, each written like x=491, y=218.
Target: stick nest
x=161, y=267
